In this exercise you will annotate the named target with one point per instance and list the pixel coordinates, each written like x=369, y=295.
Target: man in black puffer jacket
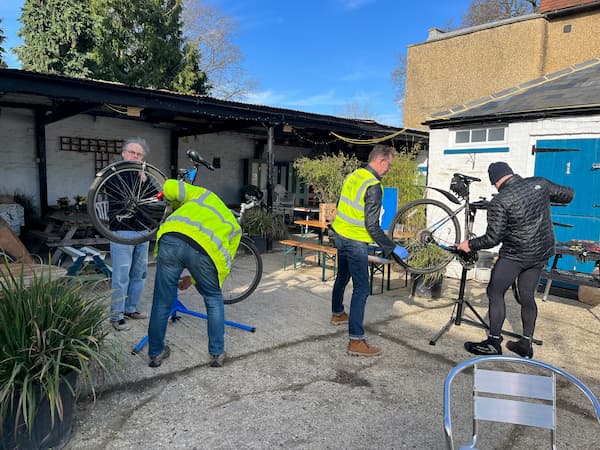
x=518, y=218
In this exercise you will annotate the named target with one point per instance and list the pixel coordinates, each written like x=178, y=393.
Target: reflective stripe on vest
x=219, y=243
x=350, y=218
x=207, y=220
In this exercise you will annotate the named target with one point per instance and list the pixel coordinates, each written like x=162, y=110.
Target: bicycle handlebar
x=199, y=159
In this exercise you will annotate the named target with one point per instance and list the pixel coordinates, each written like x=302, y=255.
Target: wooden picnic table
x=68, y=228
x=309, y=223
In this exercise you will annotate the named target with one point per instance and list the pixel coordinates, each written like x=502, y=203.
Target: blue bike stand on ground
x=180, y=307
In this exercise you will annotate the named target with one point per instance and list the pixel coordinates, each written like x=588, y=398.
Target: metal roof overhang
x=59, y=97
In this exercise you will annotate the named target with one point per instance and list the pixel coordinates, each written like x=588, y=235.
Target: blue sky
x=317, y=55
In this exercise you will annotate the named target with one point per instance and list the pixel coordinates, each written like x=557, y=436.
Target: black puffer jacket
x=519, y=218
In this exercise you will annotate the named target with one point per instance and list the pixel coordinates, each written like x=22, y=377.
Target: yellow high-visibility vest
x=203, y=217
x=350, y=217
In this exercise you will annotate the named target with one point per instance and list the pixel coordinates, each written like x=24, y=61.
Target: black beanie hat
x=498, y=170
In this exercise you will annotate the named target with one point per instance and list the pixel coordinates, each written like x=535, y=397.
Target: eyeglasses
x=131, y=152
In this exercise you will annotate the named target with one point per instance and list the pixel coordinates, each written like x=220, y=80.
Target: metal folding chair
x=511, y=397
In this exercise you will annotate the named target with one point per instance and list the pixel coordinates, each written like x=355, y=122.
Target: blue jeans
x=174, y=255
x=352, y=263
x=129, y=270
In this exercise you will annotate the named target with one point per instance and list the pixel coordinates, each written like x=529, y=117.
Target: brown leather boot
x=359, y=347
x=339, y=319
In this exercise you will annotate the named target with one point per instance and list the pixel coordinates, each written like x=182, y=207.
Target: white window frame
x=485, y=142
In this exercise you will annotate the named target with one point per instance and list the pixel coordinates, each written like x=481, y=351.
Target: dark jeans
x=504, y=273
x=173, y=256
x=352, y=263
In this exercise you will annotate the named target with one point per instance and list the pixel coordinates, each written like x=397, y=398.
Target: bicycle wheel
x=123, y=198
x=246, y=272
x=426, y=228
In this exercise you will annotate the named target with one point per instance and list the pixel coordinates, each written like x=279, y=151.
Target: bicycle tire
x=246, y=273
x=119, y=195
x=422, y=225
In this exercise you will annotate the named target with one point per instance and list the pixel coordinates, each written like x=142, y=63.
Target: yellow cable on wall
x=368, y=141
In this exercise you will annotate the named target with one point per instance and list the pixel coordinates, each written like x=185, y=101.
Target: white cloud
x=350, y=5
x=296, y=100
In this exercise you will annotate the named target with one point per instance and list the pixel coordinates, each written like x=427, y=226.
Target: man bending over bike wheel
x=201, y=235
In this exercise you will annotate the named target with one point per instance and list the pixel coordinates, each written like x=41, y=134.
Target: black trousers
x=504, y=273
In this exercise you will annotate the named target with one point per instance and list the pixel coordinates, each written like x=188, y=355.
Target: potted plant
x=326, y=174
x=53, y=338
x=404, y=175
x=264, y=227
x=428, y=284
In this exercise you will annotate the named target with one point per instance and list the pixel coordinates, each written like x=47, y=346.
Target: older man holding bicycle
x=518, y=218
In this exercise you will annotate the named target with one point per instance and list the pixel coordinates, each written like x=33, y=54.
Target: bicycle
x=130, y=193
x=422, y=224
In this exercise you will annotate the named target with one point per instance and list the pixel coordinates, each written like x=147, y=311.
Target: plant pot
x=261, y=242
x=43, y=435
x=420, y=288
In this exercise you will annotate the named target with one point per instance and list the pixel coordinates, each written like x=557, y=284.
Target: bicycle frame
x=469, y=208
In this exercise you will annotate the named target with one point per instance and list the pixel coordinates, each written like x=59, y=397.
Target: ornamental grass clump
x=50, y=329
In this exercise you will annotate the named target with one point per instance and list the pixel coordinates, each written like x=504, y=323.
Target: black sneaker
x=491, y=346
x=522, y=347
x=158, y=359
x=217, y=360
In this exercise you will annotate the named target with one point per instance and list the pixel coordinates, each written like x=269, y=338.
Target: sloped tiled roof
x=574, y=90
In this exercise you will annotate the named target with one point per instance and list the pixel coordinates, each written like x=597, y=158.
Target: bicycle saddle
x=466, y=178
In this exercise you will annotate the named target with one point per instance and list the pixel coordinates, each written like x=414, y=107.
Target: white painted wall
x=71, y=173
x=18, y=169
x=520, y=138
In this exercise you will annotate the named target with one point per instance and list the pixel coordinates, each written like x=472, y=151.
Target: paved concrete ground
x=291, y=385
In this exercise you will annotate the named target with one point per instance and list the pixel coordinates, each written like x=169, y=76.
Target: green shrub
x=326, y=174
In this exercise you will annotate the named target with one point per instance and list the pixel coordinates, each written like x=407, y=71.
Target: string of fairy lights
x=125, y=110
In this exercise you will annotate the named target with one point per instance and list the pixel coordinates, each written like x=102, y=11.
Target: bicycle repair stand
x=180, y=307
x=457, y=315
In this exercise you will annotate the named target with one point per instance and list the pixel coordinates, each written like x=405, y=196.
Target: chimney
x=434, y=33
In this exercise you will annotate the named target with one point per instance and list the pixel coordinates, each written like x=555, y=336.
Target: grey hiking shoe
x=217, y=360
x=158, y=359
x=119, y=325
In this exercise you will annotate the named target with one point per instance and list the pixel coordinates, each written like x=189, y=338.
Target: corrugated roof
x=574, y=90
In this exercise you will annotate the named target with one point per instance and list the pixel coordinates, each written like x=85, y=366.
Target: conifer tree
x=140, y=43
x=2, y=51
x=57, y=36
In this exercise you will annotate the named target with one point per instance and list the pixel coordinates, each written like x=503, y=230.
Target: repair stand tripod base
x=181, y=308
x=457, y=315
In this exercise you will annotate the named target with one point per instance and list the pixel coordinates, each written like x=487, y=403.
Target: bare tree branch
x=207, y=27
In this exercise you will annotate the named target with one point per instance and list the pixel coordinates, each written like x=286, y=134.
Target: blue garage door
x=575, y=163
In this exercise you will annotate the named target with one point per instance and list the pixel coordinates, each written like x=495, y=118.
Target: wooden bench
x=88, y=263
x=377, y=264
x=324, y=253
x=30, y=271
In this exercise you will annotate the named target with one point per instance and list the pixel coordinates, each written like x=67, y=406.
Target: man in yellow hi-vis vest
x=356, y=224
x=201, y=235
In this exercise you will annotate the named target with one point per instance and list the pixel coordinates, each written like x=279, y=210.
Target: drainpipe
x=40, y=151
x=174, y=153
x=270, y=165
